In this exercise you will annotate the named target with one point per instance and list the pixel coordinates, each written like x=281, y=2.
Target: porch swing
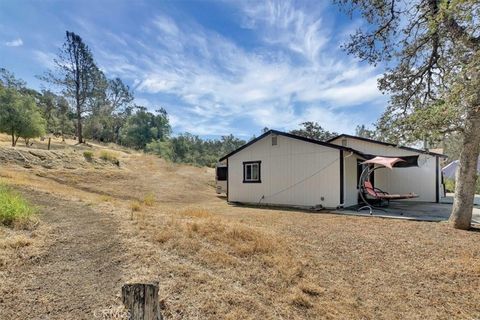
x=366, y=189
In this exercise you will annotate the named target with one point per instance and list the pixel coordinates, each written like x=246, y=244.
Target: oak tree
x=19, y=116
x=431, y=52
x=313, y=130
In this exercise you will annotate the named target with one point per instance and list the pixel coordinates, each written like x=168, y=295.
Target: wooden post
x=49, y=143
x=141, y=300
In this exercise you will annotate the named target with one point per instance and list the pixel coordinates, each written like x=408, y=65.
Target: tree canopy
x=313, y=130
x=431, y=52
x=78, y=76
x=19, y=116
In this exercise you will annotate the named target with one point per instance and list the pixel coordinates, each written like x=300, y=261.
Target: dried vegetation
x=219, y=261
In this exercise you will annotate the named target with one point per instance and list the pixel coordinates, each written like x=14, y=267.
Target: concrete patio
x=449, y=199
x=411, y=210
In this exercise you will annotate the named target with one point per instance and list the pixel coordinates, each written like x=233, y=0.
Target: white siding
x=419, y=180
x=350, y=179
x=293, y=172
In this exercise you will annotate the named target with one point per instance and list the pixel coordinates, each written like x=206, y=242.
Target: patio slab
x=413, y=210
x=449, y=199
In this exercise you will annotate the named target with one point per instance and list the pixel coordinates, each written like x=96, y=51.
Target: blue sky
x=217, y=67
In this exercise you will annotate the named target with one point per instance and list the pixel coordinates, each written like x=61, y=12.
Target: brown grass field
x=101, y=225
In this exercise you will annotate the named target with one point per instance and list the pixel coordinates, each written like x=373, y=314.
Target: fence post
x=141, y=300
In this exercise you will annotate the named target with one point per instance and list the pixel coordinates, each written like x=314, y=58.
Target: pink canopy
x=384, y=161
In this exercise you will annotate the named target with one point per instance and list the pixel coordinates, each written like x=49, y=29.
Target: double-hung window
x=251, y=172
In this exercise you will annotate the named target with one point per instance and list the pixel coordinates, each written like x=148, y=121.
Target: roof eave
x=387, y=144
x=289, y=135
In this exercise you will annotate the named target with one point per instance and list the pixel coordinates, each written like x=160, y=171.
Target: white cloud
x=44, y=58
x=297, y=73
x=166, y=24
x=14, y=43
x=280, y=22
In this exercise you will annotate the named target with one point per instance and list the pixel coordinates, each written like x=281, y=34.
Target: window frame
x=251, y=163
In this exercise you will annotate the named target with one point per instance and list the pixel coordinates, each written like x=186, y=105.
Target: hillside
x=145, y=219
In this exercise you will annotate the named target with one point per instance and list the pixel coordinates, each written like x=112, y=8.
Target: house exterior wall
x=350, y=179
x=420, y=180
x=293, y=173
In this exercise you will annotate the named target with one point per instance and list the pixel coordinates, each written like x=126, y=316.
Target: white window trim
x=252, y=164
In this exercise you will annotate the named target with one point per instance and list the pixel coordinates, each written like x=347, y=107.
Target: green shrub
x=14, y=209
x=109, y=156
x=450, y=185
x=88, y=155
x=149, y=199
x=135, y=206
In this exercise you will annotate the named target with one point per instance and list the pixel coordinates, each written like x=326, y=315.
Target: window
x=222, y=173
x=251, y=172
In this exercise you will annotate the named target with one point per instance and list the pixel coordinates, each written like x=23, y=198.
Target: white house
x=279, y=168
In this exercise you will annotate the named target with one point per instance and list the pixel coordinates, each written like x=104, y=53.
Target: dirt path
x=77, y=274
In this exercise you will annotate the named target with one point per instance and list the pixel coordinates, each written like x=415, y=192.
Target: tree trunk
x=141, y=300
x=461, y=216
x=117, y=134
x=79, y=127
x=13, y=139
x=77, y=73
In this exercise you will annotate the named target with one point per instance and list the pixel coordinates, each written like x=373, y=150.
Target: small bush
x=88, y=155
x=109, y=156
x=149, y=200
x=106, y=198
x=164, y=236
x=135, y=206
x=14, y=209
x=450, y=185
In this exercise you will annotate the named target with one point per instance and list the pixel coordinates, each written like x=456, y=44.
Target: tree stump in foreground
x=141, y=300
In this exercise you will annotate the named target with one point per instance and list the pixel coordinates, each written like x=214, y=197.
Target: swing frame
x=380, y=195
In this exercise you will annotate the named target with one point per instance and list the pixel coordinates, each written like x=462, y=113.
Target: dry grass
x=216, y=261
x=218, y=251
x=236, y=239
x=16, y=242
x=269, y=264
x=106, y=198
x=195, y=213
x=299, y=300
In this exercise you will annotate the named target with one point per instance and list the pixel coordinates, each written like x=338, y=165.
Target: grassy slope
x=216, y=261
